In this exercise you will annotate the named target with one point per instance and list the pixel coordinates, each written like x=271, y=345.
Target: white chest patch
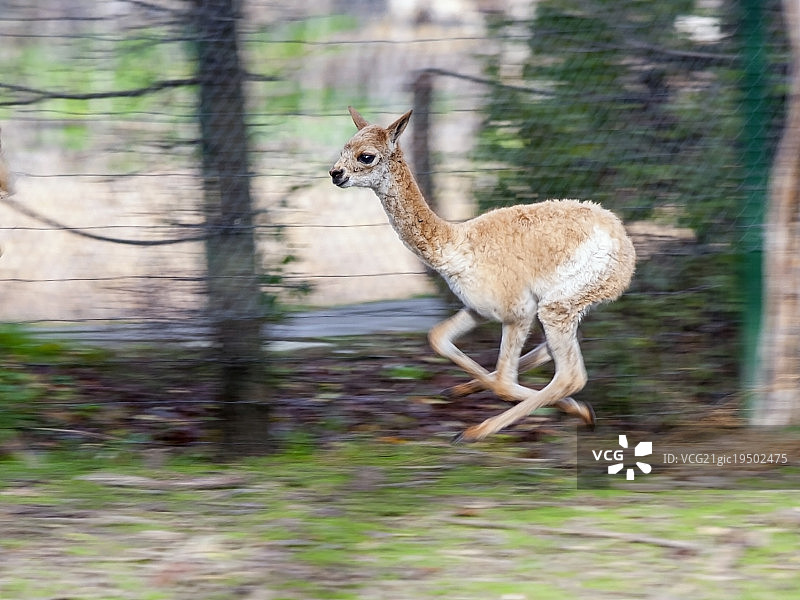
x=458, y=270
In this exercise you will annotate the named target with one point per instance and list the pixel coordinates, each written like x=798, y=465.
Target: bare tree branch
x=20, y=208
x=44, y=95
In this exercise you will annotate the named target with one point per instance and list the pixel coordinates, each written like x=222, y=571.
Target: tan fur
x=550, y=261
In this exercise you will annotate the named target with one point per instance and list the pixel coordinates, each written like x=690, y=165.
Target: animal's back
x=557, y=250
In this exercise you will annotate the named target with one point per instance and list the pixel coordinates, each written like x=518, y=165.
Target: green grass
x=365, y=519
x=411, y=372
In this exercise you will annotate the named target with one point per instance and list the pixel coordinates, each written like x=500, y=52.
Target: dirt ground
x=364, y=498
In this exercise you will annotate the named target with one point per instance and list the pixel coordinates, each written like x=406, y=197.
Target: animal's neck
x=420, y=229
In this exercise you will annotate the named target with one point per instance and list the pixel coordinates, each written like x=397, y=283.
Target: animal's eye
x=365, y=158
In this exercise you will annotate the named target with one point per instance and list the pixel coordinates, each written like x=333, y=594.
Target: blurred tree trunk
x=233, y=293
x=422, y=89
x=778, y=401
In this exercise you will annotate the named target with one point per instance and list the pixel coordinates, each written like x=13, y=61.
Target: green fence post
x=756, y=168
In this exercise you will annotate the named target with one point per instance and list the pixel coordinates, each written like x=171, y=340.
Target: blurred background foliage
x=616, y=104
x=641, y=106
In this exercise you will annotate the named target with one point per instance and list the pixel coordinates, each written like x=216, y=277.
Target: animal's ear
x=396, y=128
x=360, y=121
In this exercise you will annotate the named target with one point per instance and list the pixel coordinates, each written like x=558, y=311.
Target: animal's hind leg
x=540, y=355
x=570, y=377
x=535, y=358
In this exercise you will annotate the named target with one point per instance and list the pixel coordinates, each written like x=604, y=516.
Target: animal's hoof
x=465, y=437
x=459, y=391
x=589, y=419
x=579, y=408
x=449, y=393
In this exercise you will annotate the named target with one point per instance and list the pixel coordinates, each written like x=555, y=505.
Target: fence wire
x=652, y=109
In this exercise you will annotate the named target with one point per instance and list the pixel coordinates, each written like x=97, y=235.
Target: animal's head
x=364, y=161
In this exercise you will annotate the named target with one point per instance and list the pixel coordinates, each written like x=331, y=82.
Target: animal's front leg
x=535, y=358
x=506, y=381
x=442, y=339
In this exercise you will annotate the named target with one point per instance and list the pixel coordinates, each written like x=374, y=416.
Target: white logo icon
x=641, y=449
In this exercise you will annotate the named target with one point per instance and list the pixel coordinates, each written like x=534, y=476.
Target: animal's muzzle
x=338, y=177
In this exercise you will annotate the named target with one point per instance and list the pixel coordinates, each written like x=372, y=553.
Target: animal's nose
x=336, y=174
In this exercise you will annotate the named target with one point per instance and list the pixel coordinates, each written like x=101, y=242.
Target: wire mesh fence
x=139, y=204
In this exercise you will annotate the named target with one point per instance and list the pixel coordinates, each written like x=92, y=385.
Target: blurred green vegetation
x=23, y=391
x=670, y=347
x=56, y=395
x=631, y=113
